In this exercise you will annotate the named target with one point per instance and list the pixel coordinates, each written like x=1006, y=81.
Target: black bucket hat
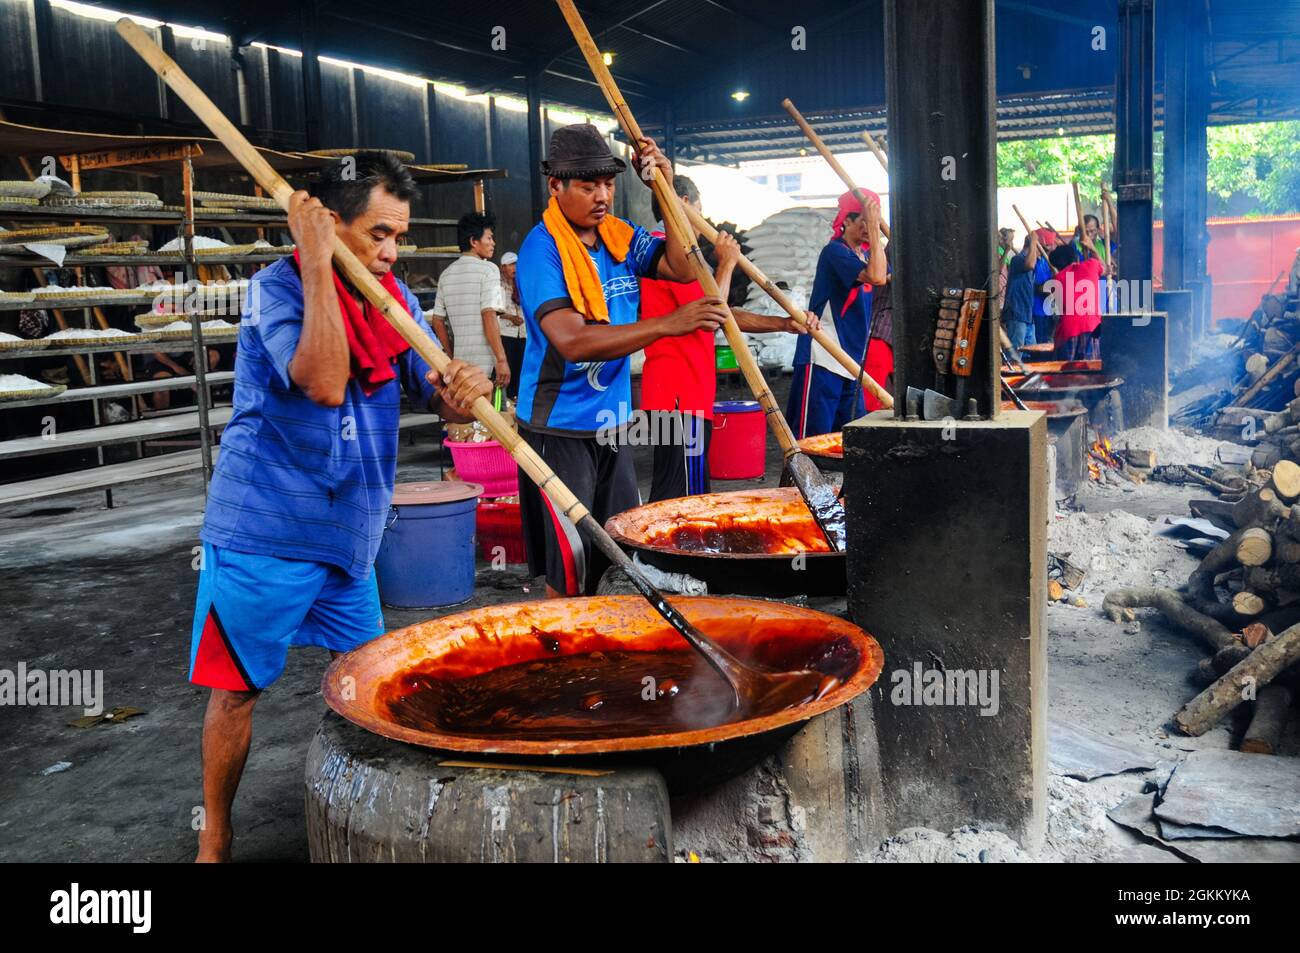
x=580, y=152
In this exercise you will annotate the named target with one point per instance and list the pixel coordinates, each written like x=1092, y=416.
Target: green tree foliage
x=1253, y=169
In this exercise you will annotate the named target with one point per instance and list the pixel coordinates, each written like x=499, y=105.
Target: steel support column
x=670, y=134
x=1175, y=194
x=537, y=184
x=311, y=85
x=1134, y=128
x=943, y=178
x=1198, y=109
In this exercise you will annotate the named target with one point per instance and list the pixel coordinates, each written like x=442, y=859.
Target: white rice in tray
x=17, y=382
x=96, y=334
x=210, y=329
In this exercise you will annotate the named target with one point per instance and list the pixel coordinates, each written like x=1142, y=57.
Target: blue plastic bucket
x=426, y=558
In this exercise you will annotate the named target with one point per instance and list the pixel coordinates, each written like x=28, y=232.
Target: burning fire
x=1100, y=455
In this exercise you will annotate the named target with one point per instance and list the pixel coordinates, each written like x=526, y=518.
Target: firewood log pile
x=1242, y=603
x=1264, y=366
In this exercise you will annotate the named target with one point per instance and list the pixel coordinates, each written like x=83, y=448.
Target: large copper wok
x=761, y=542
x=827, y=449
x=361, y=684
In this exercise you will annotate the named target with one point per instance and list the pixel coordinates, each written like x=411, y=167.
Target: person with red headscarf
x=824, y=396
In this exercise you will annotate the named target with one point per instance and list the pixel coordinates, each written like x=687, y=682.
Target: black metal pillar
x=48, y=75
x=943, y=178
x=311, y=85
x=1134, y=128
x=1175, y=194
x=360, y=120
x=670, y=133
x=538, y=185
x=1197, y=236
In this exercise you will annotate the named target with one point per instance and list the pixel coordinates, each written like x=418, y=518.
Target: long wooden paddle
x=748, y=683
x=829, y=156
x=832, y=347
x=876, y=151
x=817, y=492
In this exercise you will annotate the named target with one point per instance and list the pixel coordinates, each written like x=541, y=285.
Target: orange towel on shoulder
x=580, y=274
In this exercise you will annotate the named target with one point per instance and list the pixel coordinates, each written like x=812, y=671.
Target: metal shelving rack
x=205, y=419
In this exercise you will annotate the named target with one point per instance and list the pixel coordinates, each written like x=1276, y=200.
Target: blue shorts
x=251, y=608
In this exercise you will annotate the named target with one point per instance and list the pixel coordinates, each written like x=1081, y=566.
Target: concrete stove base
x=947, y=570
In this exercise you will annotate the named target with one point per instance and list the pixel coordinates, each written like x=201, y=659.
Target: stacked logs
x=1264, y=362
x=1252, y=631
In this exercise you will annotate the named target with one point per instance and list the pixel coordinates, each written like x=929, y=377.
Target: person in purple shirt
x=303, y=484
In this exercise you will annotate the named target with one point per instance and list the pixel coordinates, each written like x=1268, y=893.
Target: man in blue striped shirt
x=300, y=494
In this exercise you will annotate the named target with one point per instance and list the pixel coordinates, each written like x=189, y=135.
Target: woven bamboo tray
x=144, y=200
x=119, y=248
x=248, y=249
x=17, y=297
x=399, y=154
x=203, y=211
x=120, y=194
x=32, y=345
x=44, y=393
x=153, y=319
x=17, y=200
x=208, y=334
x=71, y=241
x=46, y=233
x=230, y=200
x=22, y=188
x=49, y=294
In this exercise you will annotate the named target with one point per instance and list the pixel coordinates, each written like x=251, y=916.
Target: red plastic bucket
x=501, y=531
x=739, y=447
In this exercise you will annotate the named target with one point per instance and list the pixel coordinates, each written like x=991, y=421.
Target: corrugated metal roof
x=688, y=56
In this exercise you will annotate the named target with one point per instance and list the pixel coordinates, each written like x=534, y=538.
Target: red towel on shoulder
x=374, y=343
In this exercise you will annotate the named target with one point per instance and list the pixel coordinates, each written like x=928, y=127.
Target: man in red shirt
x=679, y=378
x=1080, y=297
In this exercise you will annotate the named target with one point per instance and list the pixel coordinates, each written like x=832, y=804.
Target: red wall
x=1245, y=256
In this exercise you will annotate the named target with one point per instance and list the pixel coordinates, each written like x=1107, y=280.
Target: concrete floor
x=85, y=587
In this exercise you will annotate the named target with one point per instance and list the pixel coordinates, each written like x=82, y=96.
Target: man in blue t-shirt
x=823, y=395
x=577, y=277
x=1026, y=274
x=298, y=501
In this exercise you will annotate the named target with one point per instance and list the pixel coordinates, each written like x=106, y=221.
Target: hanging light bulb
x=608, y=58
x=740, y=95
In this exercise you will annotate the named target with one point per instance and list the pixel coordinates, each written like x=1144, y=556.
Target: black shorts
x=681, y=457
x=603, y=477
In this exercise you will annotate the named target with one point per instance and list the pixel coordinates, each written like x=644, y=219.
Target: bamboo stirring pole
x=815, y=489
x=747, y=682
x=1084, y=241
x=829, y=156
x=701, y=225
x=1105, y=243
x=1033, y=236
x=876, y=151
